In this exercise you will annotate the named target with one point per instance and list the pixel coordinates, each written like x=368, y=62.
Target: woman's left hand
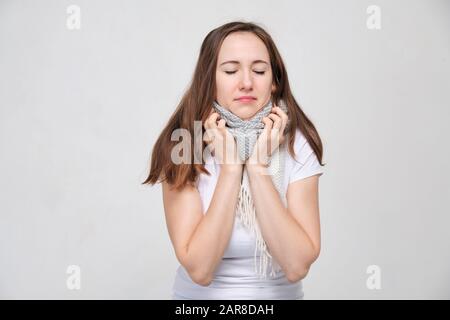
x=270, y=138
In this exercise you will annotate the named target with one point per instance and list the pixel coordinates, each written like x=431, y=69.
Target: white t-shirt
x=235, y=277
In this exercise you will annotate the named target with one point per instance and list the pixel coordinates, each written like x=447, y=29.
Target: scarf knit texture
x=246, y=133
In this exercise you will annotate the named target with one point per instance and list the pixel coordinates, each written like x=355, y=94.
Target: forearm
x=288, y=242
x=211, y=237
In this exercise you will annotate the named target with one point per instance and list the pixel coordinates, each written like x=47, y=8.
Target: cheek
x=225, y=85
x=265, y=82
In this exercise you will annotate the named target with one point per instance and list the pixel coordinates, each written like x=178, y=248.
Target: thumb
x=221, y=124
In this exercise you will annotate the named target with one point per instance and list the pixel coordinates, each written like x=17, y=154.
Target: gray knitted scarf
x=246, y=133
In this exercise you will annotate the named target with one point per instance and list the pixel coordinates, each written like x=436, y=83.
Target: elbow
x=201, y=278
x=198, y=275
x=297, y=274
x=203, y=281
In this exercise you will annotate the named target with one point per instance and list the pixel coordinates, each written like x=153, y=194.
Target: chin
x=245, y=115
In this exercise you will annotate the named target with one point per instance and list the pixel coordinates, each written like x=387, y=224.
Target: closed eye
x=258, y=72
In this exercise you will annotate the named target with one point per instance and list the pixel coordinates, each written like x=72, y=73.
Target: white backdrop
x=81, y=109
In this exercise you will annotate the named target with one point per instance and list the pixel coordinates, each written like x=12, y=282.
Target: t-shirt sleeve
x=306, y=163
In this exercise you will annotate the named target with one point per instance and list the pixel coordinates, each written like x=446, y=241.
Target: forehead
x=243, y=46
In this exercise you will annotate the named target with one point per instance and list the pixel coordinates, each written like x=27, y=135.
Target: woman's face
x=243, y=69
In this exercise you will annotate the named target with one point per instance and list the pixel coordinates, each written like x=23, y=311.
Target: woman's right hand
x=221, y=142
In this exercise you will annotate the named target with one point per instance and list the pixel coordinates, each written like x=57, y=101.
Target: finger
x=284, y=118
x=282, y=132
x=280, y=112
x=276, y=121
x=221, y=124
x=211, y=122
x=211, y=111
x=210, y=126
x=268, y=123
x=208, y=138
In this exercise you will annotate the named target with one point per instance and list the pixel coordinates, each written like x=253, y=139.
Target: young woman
x=251, y=204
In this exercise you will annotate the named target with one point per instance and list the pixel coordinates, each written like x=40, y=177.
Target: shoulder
x=305, y=162
x=302, y=148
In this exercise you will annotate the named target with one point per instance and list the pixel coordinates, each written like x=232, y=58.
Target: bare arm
x=201, y=240
x=293, y=233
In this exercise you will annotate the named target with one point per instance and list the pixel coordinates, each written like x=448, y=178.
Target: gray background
x=81, y=109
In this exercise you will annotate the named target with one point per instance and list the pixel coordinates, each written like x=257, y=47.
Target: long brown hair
x=197, y=102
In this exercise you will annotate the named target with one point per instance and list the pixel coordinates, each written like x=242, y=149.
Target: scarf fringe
x=246, y=213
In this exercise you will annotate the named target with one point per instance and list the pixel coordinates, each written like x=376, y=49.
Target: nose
x=246, y=82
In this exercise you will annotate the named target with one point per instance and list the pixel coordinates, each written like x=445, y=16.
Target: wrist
x=232, y=168
x=257, y=163
x=258, y=168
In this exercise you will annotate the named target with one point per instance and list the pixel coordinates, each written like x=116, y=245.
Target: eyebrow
x=237, y=62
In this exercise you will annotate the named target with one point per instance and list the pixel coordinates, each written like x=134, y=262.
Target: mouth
x=246, y=99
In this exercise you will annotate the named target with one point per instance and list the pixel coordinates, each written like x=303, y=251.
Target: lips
x=246, y=98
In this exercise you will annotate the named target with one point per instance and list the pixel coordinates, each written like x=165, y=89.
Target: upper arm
x=183, y=211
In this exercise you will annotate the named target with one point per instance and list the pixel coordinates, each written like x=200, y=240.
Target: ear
x=273, y=87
